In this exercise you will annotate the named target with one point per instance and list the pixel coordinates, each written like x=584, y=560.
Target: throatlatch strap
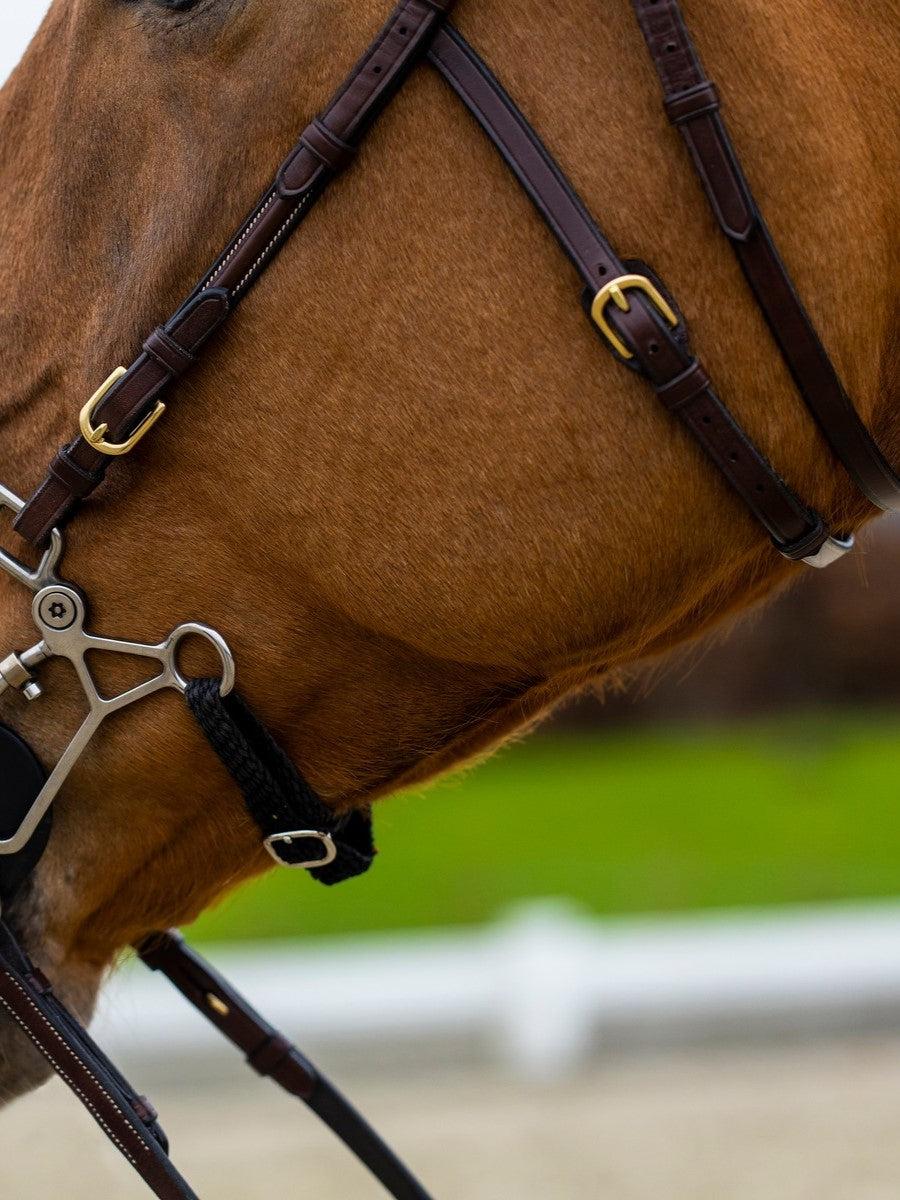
x=656, y=347
x=277, y=796
x=692, y=104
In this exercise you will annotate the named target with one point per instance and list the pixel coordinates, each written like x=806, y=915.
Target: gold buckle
x=96, y=437
x=615, y=292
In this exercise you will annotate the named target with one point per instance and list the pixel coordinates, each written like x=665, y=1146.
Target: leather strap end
x=808, y=545
x=332, y=151
x=298, y=175
x=721, y=176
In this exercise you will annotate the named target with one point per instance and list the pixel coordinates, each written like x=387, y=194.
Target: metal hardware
x=59, y=611
x=97, y=436
x=218, y=1006
x=830, y=551
x=15, y=672
x=614, y=292
x=287, y=839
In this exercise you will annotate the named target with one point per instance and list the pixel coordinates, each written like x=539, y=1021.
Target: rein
x=636, y=319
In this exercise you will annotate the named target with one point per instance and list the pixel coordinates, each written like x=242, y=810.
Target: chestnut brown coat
x=409, y=486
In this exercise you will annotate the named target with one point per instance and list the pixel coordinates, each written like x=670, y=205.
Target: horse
x=421, y=503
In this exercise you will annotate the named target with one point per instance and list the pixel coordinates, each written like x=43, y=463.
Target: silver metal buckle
x=286, y=839
x=830, y=551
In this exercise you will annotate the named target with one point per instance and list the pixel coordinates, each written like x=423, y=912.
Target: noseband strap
x=298, y=829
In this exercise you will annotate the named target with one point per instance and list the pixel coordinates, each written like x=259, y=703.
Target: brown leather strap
x=128, y=1120
x=271, y=1054
x=266, y=1050
x=325, y=147
x=660, y=353
x=692, y=103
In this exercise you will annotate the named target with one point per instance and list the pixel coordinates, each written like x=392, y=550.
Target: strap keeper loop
x=270, y=1054
x=73, y=478
x=684, y=388
x=697, y=101
x=331, y=151
x=169, y=353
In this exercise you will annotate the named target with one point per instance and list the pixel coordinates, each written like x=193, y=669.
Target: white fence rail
x=544, y=985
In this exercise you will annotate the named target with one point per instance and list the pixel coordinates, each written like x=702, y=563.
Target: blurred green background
x=774, y=812
x=760, y=769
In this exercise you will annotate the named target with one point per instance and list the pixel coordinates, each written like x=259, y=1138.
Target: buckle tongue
x=614, y=292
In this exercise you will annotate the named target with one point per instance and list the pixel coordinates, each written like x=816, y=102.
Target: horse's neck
x=409, y=485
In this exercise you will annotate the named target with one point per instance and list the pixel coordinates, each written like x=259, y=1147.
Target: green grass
x=798, y=810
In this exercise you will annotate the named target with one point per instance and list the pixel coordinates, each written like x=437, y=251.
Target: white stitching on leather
x=237, y=245
x=276, y=238
x=86, y=1100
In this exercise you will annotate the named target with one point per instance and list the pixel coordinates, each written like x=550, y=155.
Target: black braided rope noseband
x=294, y=822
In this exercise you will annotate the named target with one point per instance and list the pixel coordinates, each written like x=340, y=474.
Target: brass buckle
x=615, y=292
x=96, y=437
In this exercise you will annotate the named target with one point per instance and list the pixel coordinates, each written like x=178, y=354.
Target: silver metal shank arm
x=59, y=611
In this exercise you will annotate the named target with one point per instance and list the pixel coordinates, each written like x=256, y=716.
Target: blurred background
x=654, y=950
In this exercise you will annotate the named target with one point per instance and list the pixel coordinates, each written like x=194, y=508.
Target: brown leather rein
x=637, y=320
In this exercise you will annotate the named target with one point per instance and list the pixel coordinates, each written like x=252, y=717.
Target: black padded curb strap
x=21, y=779
x=277, y=796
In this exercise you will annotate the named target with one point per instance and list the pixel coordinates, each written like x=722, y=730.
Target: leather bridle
x=636, y=319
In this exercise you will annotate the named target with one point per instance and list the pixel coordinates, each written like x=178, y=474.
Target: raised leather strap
x=661, y=353
x=692, y=103
x=271, y=1054
x=324, y=147
x=127, y=1119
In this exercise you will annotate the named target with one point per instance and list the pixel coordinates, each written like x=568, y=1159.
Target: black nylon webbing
x=277, y=796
